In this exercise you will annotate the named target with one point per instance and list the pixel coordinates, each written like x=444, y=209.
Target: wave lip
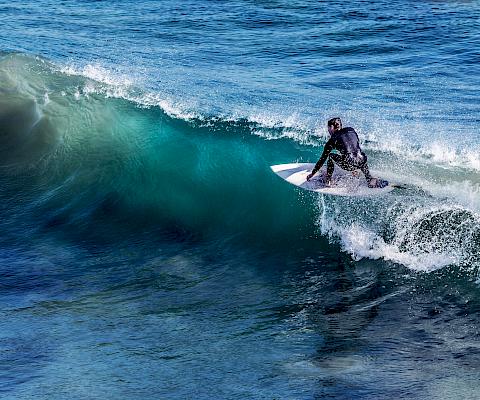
x=110, y=84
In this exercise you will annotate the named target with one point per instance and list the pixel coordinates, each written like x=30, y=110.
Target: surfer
x=351, y=157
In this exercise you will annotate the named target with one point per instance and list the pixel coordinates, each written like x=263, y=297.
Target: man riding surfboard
x=351, y=157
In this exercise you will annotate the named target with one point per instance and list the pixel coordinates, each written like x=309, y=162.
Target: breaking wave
x=82, y=147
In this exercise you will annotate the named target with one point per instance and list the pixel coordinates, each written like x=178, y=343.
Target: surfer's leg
x=346, y=164
x=340, y=161
x=366, y=172
x=372, y=182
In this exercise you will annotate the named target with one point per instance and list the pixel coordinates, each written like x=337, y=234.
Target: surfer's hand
x=355, y=174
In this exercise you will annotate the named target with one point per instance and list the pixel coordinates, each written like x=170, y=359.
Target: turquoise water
x=147, y=250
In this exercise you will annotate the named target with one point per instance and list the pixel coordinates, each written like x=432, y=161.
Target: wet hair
x=336, y=123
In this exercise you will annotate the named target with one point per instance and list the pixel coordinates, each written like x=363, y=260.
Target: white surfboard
x=344, y=182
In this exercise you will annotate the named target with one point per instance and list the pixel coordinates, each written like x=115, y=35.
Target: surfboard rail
x=345, y=183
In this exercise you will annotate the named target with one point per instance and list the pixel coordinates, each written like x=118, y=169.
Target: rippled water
x=147, y=251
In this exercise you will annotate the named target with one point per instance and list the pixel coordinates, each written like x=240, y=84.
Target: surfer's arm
x=326, y=151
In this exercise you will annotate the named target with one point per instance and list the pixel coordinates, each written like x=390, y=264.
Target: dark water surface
x=147, y=250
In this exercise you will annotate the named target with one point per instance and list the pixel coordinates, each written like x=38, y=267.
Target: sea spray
x=422, y=233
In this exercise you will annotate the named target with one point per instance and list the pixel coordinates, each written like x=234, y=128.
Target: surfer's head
x=334, y=124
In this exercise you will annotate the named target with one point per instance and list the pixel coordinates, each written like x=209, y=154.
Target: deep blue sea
x=147, y=251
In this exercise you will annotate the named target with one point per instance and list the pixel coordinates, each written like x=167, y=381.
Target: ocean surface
x=147, y=251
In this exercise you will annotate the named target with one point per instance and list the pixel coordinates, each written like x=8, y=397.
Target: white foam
x=116, y=85
x=295, y=135
x=462, y=192
x=361, y=242
x=408, y=246
x=465, y=193
x=98, y=73
x=438, y=152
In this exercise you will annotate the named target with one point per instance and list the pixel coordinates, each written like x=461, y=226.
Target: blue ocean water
x=147, y=250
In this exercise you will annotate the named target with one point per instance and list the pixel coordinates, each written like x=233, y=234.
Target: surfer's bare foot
x=356, y=174
x=372, y=183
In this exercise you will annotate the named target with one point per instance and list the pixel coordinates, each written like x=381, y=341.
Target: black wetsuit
x=351, y=157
